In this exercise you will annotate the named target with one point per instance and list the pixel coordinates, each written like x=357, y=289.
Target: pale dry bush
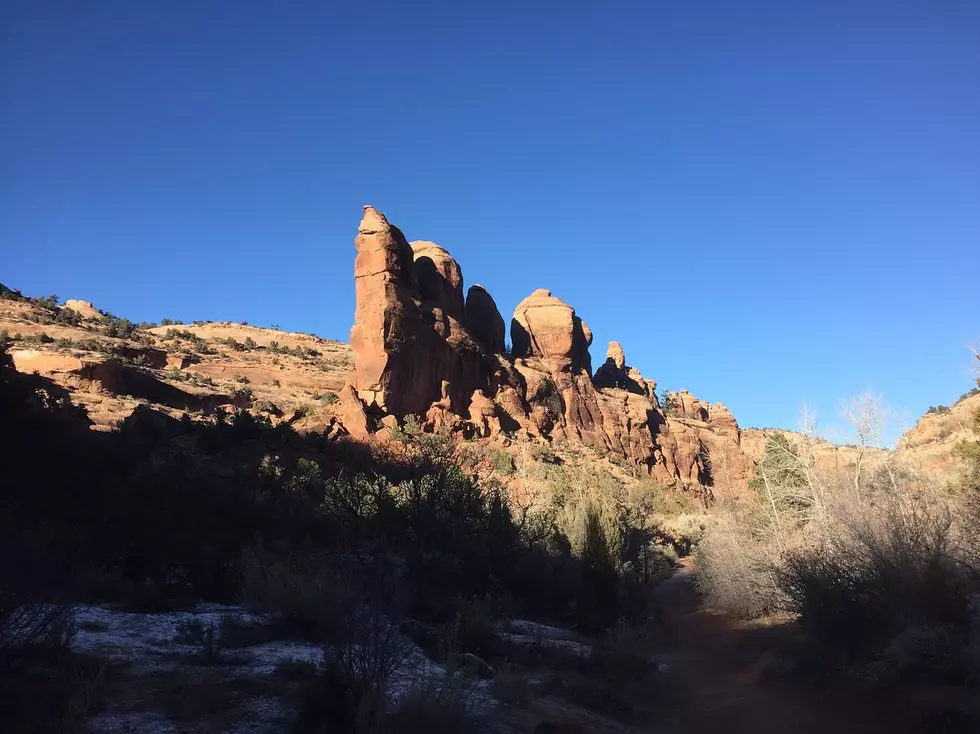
x=735, y=567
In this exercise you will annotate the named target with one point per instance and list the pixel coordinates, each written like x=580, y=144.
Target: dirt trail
x=721, y=679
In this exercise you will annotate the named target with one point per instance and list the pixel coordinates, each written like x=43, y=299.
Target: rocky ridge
x=421, y=349
x=418, y=347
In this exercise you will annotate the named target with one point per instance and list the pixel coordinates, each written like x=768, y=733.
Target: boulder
x=483, y=415
x=483, y=319
x=351, y=412
x=546, y=327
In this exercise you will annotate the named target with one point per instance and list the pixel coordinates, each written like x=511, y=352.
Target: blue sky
x=767, y=203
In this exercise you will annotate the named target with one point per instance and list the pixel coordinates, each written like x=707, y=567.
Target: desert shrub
x=41, y=337
x=31, y=628
x=68, y=317
x=304, y=598
x=969, y=452
x=249, y=343
x=11, y=294
x=327, y=398
x=53, y=697
x=502, y=463
x=304, y=410
x=598, y=599
x=207, y=636
x=116, y=327
x=48, y=302
x=437, y=707
x=735, y=568
x=410, y=429
x=876, y=575
x=968, y=394
x=350, y=690
x=266, y=406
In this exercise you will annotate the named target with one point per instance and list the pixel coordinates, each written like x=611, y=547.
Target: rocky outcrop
x=85, y=309
x=929, y=448
x=93, y=374
x=614, y=373
x=420, y=349
x=548, y=328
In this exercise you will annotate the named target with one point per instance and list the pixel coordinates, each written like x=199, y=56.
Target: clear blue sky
x=768, y=203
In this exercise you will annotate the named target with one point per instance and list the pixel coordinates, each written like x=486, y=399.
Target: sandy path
x=722, y=680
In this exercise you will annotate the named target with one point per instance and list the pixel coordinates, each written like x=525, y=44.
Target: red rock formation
x=408, y=336
x=419, y=349
x=615, y=373
x=386, y=319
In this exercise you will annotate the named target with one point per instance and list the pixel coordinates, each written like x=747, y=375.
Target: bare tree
x=866, y=414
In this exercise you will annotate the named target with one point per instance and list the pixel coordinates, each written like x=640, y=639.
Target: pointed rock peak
x=373, y=221
x=615, y=353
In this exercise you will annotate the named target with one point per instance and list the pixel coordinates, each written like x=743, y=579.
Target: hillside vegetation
x=160, y=469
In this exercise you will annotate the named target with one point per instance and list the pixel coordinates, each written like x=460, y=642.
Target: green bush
x=305, y=410
x=502, y=463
